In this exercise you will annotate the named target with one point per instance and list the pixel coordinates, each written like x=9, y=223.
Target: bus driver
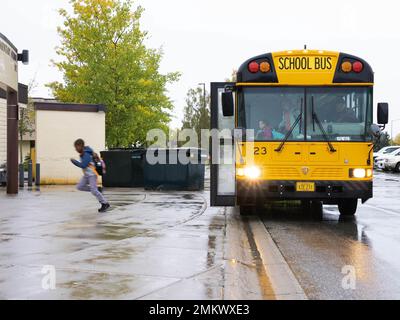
x=344, y=114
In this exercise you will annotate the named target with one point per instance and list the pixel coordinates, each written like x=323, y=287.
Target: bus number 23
x=260, y=151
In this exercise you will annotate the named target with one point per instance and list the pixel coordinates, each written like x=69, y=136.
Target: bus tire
x=348, y=207
x=247, y=210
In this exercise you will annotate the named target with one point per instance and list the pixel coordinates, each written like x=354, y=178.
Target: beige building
x=9, y=58
x=57, y=127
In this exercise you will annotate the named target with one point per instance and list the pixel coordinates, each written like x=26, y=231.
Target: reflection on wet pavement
x=157, y=245
x=317, y=251
x=172, y=245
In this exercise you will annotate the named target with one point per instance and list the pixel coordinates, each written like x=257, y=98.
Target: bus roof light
x=358, y=67
x=265, y=67
x=254, y=67
x=347, y=66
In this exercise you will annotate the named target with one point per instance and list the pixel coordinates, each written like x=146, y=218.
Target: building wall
x=56, y=132
x=3, y=131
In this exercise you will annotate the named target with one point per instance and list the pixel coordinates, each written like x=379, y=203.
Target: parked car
x=385, y=150
x=3, y=175
x=379, y=161
x=392, y=162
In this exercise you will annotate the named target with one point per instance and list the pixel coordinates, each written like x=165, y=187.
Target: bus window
x=342, y=112
x=272, y=112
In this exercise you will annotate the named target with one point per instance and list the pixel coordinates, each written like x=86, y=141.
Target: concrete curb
x=241, y=281
x=245, y=277
x=254, y=267
x=281, y=277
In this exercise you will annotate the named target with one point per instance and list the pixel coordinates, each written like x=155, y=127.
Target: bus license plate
x=305, y=186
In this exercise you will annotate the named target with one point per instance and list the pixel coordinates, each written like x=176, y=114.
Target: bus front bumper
x=253, y=192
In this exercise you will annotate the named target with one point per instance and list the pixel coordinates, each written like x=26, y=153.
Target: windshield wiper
x=289, y=133
x=316, y=119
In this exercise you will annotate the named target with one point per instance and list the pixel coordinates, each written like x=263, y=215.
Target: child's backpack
x=100, y=166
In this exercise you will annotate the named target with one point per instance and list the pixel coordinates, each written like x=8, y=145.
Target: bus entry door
x=223, y=184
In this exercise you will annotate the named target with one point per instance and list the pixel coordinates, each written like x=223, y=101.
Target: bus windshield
x=312, y=114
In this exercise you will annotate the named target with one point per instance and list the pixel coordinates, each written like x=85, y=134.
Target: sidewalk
x=150, y=246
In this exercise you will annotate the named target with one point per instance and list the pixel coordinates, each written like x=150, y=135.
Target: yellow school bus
x=306, y=124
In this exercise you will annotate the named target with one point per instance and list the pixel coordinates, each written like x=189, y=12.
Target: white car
x=385, y=151
x=379, y=161
x=392, y=162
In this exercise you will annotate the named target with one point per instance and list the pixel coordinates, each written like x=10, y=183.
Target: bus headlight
x=251, y=173
x=360, y=173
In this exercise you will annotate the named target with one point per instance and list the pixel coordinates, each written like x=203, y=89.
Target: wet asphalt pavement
x=322, y=254
x=173, y=245
x=148, y=246
x=151, y=245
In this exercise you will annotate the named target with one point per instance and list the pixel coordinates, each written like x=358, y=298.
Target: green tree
x=105, y=61
x=197, y=111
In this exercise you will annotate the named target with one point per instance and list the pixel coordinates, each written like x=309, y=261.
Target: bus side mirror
x=383, y=113
x=227, y=104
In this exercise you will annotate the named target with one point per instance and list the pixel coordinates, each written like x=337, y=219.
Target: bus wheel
x=247, y=210
x=348, y=207
x=316, y=210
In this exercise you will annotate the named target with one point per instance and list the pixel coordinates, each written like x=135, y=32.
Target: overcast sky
x=207, y=39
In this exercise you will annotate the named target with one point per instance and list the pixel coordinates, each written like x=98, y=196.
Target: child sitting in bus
x=265, y=132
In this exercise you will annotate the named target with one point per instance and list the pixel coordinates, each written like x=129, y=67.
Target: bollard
x=21, y=175
x=30, y=176
x=37, y=180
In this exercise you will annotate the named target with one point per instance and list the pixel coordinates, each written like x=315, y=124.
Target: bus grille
x=283, y=172
x=327, y=173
